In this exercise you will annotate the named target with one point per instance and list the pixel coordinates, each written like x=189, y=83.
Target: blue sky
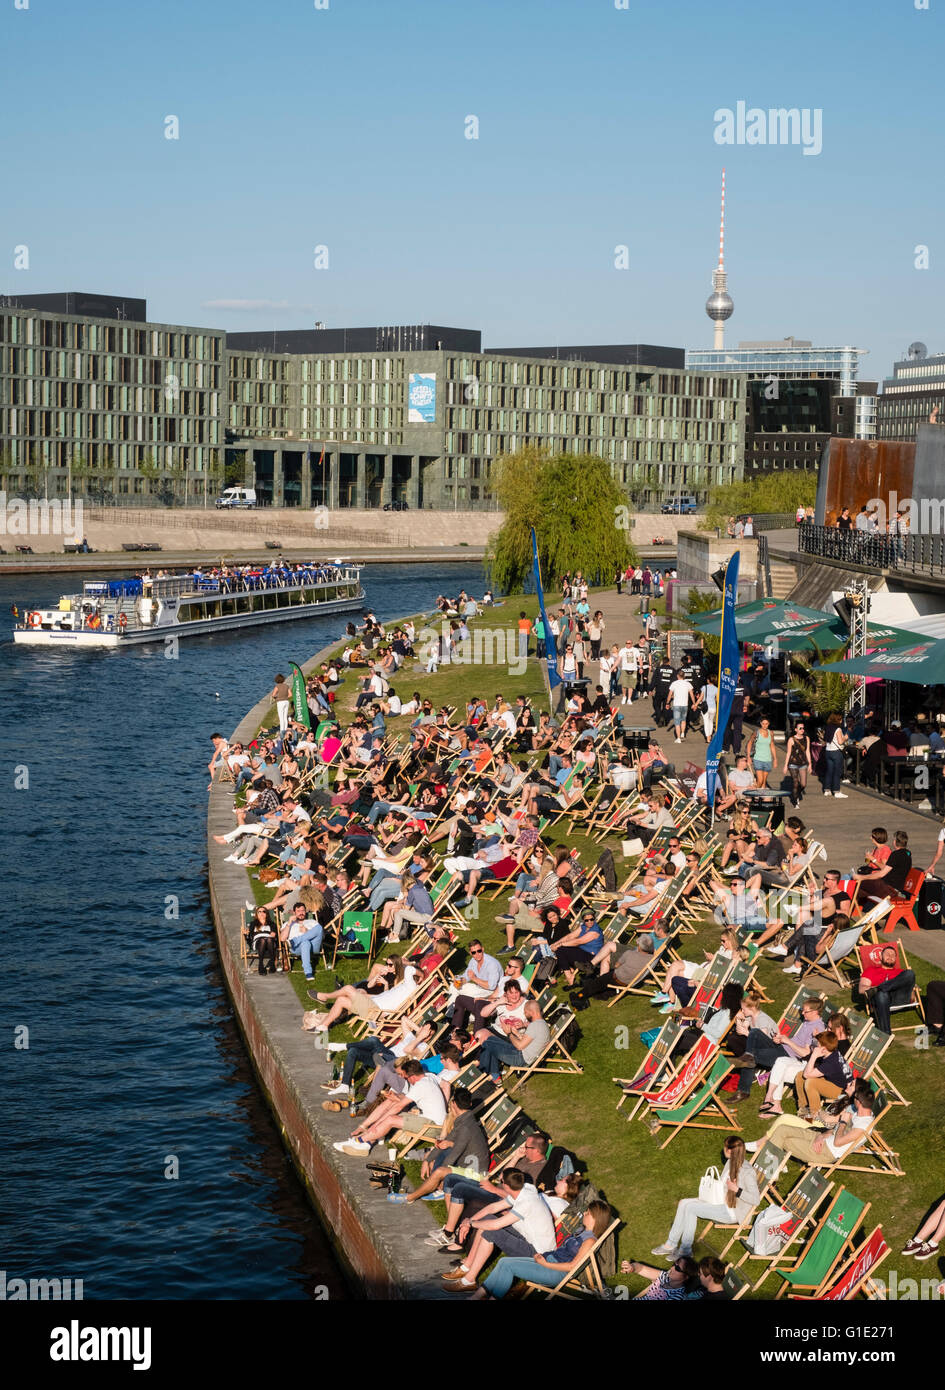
x=345, y=128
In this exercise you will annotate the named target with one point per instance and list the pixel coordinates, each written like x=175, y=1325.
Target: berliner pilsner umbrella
x=922, y=663
x=754, y=622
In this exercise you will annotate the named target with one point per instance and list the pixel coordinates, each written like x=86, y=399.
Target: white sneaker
x=232, y=859
x=791, y=970
x=753, y=1147
x=828, y=793
x=677, y=740
x=339, y=1090
x=777, y=950
x=840, y=796
x=665, y=1252
x=337, y=1047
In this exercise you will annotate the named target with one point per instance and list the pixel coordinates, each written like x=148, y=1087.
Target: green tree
x=771, y=492
x=705, y=603
x=580, y=515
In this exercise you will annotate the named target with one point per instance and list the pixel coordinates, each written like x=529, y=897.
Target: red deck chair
x=903, y=904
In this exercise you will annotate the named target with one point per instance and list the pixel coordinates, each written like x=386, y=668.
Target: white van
x=237, y=497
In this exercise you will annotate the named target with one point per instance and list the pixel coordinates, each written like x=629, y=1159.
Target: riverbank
x=380, y=1245
x=112, y=562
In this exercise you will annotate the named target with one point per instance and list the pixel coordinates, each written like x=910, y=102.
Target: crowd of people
x=411, y=814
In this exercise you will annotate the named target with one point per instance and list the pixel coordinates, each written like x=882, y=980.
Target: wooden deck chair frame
x=842, y=952
x=856, y=1273
x=866, y=1052
x=915, y=999
x=704, y=1108
x=841, y=1254
x=873, y=1146
x=553, y=1058
x=657, y=1066
x=584, y=1280
x=802, y=1203
x=769, y=1163
x=644, y=978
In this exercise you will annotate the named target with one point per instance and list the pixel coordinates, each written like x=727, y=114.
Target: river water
x=138, y=1154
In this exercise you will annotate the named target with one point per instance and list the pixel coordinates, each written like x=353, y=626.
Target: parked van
x=680, y=506
x=237, y=497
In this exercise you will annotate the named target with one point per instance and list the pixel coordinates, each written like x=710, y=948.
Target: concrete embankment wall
x=194, y=529
x=380, y=1244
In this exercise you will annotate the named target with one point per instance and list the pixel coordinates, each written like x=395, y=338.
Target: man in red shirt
x=879, y=982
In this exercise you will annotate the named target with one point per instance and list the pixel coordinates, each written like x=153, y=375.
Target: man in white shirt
x=679, y=698
x=629, y=659
x=739, y=781
x=520, y=1224
x=423, y=1100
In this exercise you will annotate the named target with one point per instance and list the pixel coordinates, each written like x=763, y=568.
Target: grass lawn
x=642, y=1182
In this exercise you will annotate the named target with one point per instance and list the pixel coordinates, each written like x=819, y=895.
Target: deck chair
x=645, y=977
x=830, y=1242
x=704, y=1108
x=554, y=1057
x=355, y=935
x=902, y=911
x=769, y=1163
x=800, y=1206
x=734, y=1284
x=669, y=1093
x=856, y=1275
x=247, y=953
x=864, y=1055
x=906, y=998
x=497, y=1118
x=657, y=1065
x=842, y=952
x=584, y=1280
x=871, y=1147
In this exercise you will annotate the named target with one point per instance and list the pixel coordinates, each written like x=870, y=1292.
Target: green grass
x=640, y=1180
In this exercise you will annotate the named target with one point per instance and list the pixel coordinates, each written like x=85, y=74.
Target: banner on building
x=421, y=398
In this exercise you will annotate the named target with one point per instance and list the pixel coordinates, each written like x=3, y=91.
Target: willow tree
x=580, y=515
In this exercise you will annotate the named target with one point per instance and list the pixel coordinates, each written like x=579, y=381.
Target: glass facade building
x=133, y=409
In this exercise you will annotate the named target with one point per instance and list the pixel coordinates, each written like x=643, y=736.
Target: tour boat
x=123, y=612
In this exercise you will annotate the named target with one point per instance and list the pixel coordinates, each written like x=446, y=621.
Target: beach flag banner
x=551, y=655
x=728, y=679
x=299, y=697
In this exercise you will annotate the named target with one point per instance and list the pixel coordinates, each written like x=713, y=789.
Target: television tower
x=719, y=305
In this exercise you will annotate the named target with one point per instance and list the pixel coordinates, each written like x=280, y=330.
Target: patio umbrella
x=923, y=663
x=763, y=618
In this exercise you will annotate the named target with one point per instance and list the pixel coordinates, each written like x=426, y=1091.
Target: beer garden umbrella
x=922, y=663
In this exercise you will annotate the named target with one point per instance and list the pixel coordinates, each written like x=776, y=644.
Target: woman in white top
x=403, y=983
x=739, y=1197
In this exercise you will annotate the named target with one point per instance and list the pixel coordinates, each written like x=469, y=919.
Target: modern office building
x=348, y=417
x=915, y=389
x=797, y=396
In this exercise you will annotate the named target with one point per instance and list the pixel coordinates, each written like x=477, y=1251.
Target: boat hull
x=44, y=637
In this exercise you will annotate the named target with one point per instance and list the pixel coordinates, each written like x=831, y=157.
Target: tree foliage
x=580, y=515
x=771, y=492
x=823, y=691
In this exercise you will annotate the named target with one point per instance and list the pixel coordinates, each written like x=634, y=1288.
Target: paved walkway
x=842, y=826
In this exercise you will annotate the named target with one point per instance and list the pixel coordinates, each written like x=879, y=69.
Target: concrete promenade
x=842, y=826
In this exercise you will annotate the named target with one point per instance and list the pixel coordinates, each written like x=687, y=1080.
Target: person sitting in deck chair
x=422, y=1099
x=879, y=982
x=520, y=1223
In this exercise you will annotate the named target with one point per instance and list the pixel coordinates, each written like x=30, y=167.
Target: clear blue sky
x=345, y=127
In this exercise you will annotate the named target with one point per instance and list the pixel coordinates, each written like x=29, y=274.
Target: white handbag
x=712, y=1188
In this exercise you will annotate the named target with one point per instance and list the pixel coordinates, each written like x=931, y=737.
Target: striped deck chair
x=864, y=1055
x=830, y=1243
x=667, y=1093
x=584, y=1280
x=869, y=954
x=554, y=1057
x=801, y=1204
x=656, y=1068
x=769, y=1163
x=841, y=952
x=703, y=1109
x=856, y=1275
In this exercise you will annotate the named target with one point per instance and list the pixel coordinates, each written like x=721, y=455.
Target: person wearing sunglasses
x=674, y=1285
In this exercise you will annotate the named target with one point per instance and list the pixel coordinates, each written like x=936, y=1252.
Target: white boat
x=125, y=612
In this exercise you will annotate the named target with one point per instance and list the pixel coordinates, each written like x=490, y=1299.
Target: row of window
x=72, y=428
x=44, y=363
x=504, y=370
x=107, y=457
x=75, y=395
x=31, y=329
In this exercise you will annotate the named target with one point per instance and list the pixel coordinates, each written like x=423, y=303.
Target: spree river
x=137, y=1153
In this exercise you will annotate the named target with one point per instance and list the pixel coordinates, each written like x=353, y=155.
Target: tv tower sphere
x=719, y=306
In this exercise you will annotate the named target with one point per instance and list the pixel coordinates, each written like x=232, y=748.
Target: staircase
x=783, y=578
